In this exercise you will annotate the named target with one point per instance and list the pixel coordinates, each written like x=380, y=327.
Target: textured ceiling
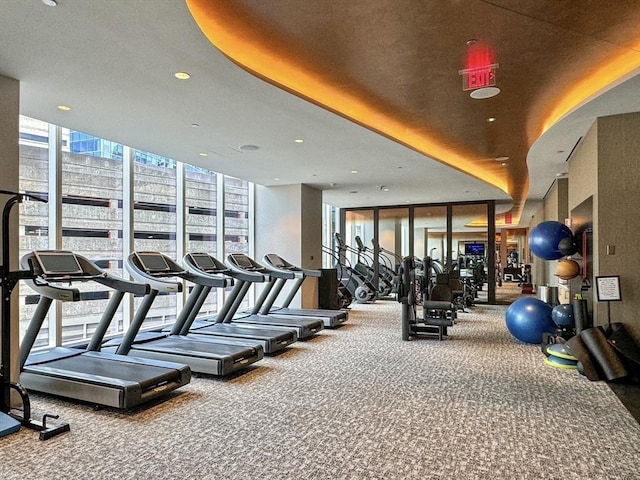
x=401, y=60
x=113, y=61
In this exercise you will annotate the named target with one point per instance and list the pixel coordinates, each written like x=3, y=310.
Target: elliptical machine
x=10, y=421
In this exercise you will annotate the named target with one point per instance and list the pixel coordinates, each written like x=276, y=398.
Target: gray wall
x=554, y=207
x=605, y=169
x=617, y=213
x=9, y=165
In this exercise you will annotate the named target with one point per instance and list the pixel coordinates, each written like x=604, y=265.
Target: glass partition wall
x=455, y=236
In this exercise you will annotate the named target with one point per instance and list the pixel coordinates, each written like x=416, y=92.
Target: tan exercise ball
x=567, y=269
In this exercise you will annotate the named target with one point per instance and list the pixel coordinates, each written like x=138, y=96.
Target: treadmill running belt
x=84, y=365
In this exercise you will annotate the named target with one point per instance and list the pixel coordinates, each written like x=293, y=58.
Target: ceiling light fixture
x=50, y=3
x=277, y=179
x=299, y=140
x=182, y=75
x=354, y=172
x=64, y=108
x=204, y=154
x=249, y=148
x=491, y=119
x=486, y=92
x=195, y=125
x=502, y=159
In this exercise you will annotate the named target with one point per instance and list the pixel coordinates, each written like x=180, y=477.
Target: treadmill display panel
x=57, y=263
x=203, y=261
x=276, y=261
x=243, y=261
x=152, y=262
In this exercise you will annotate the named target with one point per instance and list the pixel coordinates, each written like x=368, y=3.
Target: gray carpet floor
x=356, y=403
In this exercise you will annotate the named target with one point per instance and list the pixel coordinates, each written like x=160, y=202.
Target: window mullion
x=55, y=221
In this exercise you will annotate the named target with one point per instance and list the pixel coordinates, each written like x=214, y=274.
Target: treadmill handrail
x=259, y=275
x=288, y=267
x=168, y=280
x=44, y=284
x=218, y=278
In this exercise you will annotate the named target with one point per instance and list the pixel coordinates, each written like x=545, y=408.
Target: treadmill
x=161, y=272
x=213, y=356
x=279, y=268
x=88, y=375
x=245, y=273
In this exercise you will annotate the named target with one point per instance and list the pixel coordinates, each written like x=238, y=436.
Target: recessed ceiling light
x=354, y=172
x=299, y=140
x=195, y=125
x=502, y=159
x=491, y=119
x=277, y=179
x=182, y=75
x=64, y=108
x=472, y=41
x=486, y=92
x=249, y=148
x=503, y=163
x=50, y=3
x=204, y=154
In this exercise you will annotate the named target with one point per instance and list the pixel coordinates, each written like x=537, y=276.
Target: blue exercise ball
x=546, y=237
x=528, y=319
x=562, y=315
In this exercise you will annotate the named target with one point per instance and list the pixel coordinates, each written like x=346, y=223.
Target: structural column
x=9, y=165
x=288, y=221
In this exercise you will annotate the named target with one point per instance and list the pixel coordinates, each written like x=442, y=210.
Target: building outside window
x=201, y=191
x=91, y=226
x=92, y=209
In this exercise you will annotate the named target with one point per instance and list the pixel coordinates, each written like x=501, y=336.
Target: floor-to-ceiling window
x=236, y=215
x=34, y=216
x=87, y=185
x=201, y=219
x=91, y=220
x=154, y=222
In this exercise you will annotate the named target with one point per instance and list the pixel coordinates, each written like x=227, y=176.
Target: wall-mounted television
x=474, y=249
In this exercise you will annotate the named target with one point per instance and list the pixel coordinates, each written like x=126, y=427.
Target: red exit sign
x=474, y=78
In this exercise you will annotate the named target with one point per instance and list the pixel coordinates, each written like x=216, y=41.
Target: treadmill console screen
x=58, y=263
x=243, y=261
x=276, y=261
x=203, y=261
x=153, y=262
